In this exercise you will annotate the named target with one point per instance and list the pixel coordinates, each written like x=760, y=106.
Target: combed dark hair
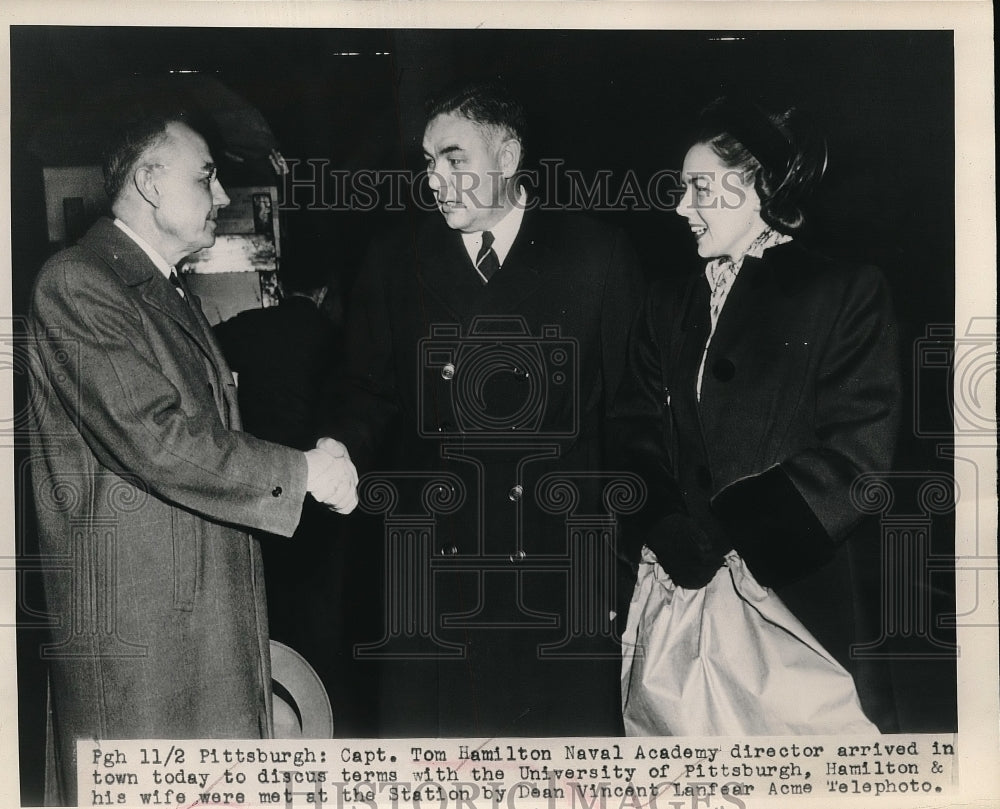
x=487, y=103
x=783, y=154
x=132, y=136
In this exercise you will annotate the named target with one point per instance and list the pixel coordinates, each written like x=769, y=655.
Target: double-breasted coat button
x=517, y=556
x=723, y=370
x=448, y=372
x=447, y=550
x=704, y=477
x=276, y=491
x=445, y=427
x=515, y=493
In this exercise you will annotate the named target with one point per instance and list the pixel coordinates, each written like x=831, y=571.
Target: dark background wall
x=611, y=100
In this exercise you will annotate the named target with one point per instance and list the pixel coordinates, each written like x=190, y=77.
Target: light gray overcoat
x=144, y=488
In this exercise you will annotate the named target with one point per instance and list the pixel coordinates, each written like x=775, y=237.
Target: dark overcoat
x=141, y=481
x=481, y=409
x=282, y=356
x=800, y=396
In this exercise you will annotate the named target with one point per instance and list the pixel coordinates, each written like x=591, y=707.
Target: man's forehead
x=449, y=131
x=182, y=142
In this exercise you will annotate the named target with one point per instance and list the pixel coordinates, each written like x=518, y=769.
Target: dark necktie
x=487, y=262
x=177, y=283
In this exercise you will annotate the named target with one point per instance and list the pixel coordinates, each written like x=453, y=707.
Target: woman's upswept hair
x=783, y=154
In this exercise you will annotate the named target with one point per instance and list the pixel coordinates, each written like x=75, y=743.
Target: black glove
x=684, y=551
x=773, y=528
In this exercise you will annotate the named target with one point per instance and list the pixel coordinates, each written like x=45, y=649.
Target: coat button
x=704, y=477
x=448, y=372
x=276, y=491
x=447, y=550
x=515, y=493
x=517, y=556
x=723, y=370
x=445, y=427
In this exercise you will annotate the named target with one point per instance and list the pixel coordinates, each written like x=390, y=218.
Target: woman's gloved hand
x=686, y=552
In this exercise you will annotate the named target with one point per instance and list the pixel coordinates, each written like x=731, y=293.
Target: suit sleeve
x=624, y=290
x=638, y=428
x=97, y=359
x=788, y=520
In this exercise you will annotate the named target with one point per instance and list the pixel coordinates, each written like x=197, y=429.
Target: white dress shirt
x=504, y=232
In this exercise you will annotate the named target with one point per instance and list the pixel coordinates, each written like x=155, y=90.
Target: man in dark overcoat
x=143, y=482
x=483, y=348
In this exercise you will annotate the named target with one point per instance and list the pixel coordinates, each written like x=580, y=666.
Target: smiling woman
x=731, y=195
x=758, y=392
x=722, y=209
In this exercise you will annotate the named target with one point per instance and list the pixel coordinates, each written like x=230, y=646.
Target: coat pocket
x=186, y=537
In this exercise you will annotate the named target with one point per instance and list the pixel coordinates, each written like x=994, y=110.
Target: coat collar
x=131, y=264
x=444, y=268
x=119, y=252
x=778, y=272
x=438, y=245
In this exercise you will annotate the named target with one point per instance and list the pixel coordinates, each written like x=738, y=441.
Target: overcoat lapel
x=687, y=350
x=746, y=308
x=163, y=297
x=446, y=272
x=227, y=383
x=522, y=271
x=135, y=268
x=741, y=335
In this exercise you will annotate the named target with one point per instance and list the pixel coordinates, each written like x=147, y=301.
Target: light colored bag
x=728, y=659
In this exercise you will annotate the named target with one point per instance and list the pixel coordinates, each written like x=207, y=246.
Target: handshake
x=332, y=479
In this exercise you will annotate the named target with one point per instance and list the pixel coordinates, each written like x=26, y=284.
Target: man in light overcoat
x=144, y=485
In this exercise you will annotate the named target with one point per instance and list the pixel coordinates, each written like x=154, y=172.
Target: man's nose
x=220, y=199
x=437, y=181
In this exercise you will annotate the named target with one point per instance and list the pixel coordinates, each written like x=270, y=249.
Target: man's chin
x=204, y=244
x=457, y=218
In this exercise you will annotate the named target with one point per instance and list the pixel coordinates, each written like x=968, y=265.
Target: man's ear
x=145, y=183
x=509, y=157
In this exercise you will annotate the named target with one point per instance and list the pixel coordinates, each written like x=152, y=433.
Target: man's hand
x=332, y=478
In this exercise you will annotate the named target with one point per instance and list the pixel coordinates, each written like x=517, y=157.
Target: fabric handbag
x=728, y=659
